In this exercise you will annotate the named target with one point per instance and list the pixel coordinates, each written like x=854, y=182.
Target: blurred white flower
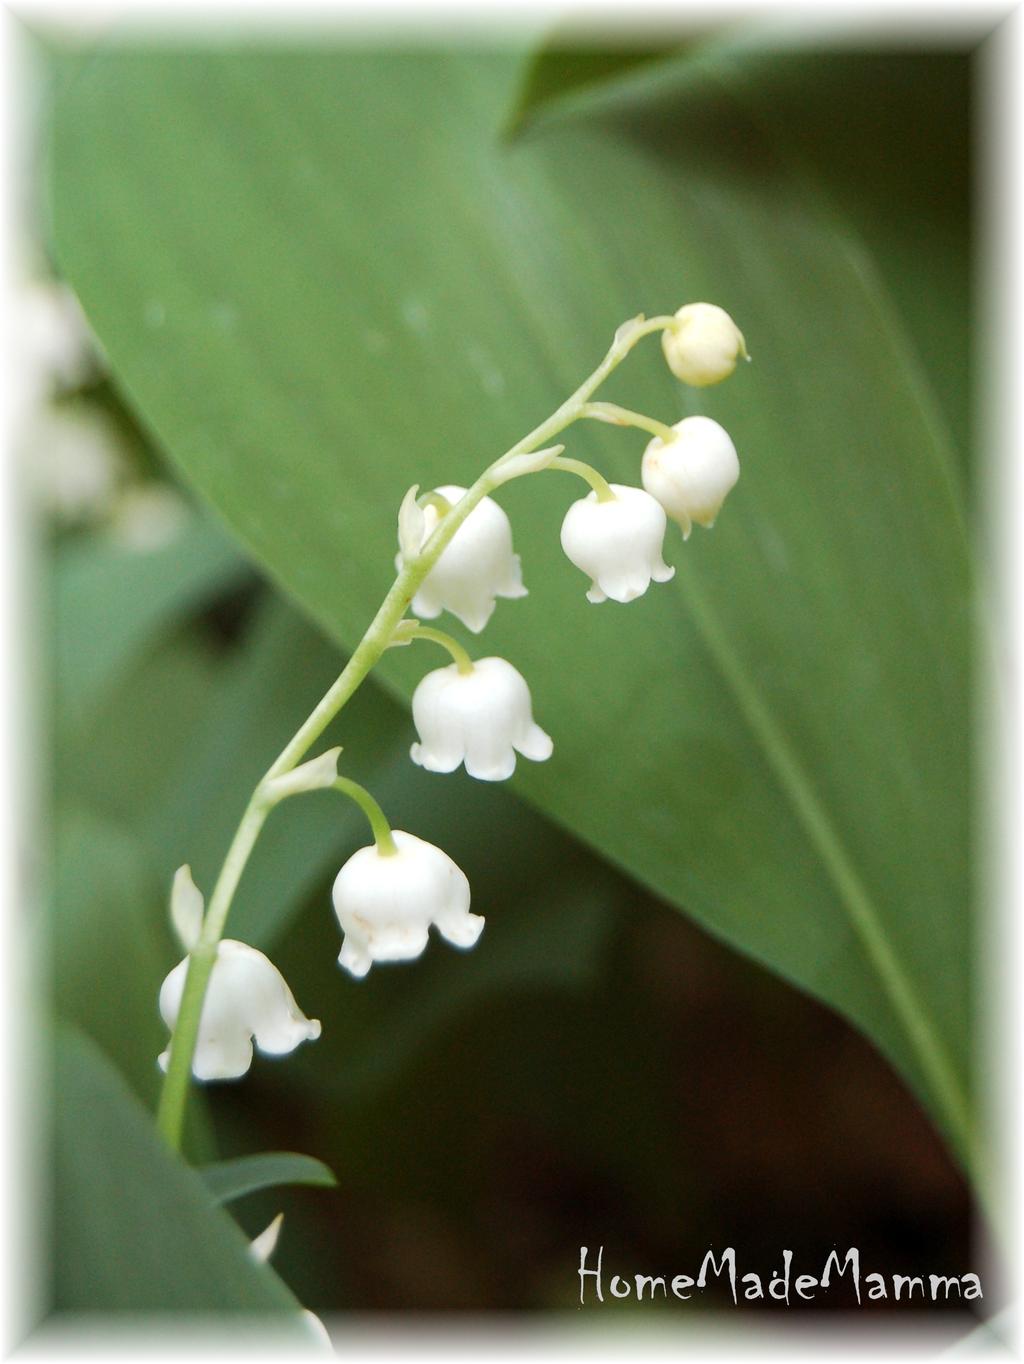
x=58, y=347
x=482, y=718
x=73, y=458
x=476, y=567
x=247, y=999
x=148, y=517
x=704, y=344
x=618, y=543
x=386, y=903
x=692, y=475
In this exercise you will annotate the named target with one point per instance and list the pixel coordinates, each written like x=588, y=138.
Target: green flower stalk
x=480, y=567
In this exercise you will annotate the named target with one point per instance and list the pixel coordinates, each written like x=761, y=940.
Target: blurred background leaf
x=476, y=286
x=573, y=66
x=113, y=602
x=107, y=911
x=138, y=1231
x=229, y=1179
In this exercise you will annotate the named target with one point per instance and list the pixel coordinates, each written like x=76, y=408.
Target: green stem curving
x=589, y=475
x=622, y=416
x=376, y=818
x=379, y=635
x=459, y=655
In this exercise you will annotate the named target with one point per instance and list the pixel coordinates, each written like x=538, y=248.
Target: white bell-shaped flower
x=385, y=903
x=247, y=999
x=618, y=543
x=482, y=717
x=692, y=475
x=477, y=566
x=704, y=344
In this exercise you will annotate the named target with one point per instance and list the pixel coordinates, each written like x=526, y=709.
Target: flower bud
x=246, y=1000
x=703, y=345
x=262, y=1247
x=186, y=908
x=385, y=903
x=691, y=475
x=477, y=565
x=411, y=525
x=482, y=718
x=617, y=543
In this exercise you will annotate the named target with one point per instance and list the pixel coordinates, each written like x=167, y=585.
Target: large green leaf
x=320, y=277
x=135, y=1230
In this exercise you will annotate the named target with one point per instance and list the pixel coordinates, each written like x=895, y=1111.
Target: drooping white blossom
x=475, y=568
x=692, y=475
x=246, y=1000
x=54, y=338
x=704, y=344
x=481, y=718
x=385, y=904
x=75, y=461
x=618, y=543
x=261, y=1248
